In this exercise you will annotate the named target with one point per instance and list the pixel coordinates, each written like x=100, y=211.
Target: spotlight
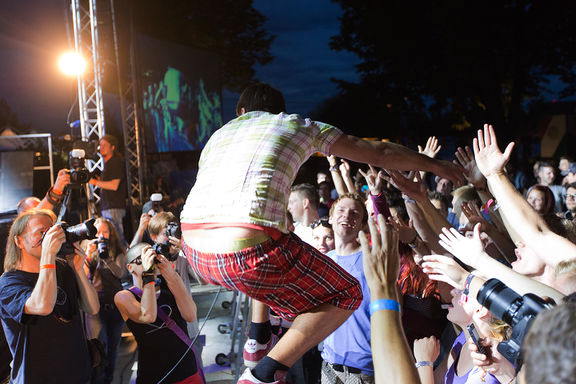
x=72, y=64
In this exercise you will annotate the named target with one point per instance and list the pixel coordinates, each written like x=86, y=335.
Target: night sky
x=33, y=34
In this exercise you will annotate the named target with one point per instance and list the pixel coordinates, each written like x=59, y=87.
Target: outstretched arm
x=394, y=156
x=336, y=176
x=470, y=252
x=393, y=362
x=516, y=212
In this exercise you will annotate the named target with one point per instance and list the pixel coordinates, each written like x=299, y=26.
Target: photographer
x=40, y=301
x=113, y=185
x=158, y=322
x=165, y=231
x=105, y=266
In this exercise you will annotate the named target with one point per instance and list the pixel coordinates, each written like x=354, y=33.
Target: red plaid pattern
x=287, y=274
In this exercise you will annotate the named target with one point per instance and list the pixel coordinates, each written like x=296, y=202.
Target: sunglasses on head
x=323, y=222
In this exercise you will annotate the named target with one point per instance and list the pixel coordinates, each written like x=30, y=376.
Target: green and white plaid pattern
x=247, y=168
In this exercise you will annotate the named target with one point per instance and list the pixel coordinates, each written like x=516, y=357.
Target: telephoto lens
x=103, y=248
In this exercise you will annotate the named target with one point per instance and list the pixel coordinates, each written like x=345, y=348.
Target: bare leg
x=260, y=312
x=307, y=330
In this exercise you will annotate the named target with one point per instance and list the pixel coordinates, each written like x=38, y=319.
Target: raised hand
x=332, y=161
x=410, y=184
x=431, y=149
x=465, y=249
x=373, y=180
x=489, y=158
x=474, y=215
x=426, y=349
x=471, y=172
x=406, y=232
x=62, y=180
x=446, y=269
x=382, y=262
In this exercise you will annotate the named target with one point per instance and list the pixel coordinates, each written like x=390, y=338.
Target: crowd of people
x=411, y=270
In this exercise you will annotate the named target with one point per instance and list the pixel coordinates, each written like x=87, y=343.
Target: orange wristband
x=57, y=191
x=47, y=266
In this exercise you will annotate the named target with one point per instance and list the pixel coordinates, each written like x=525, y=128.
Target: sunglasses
x=323, y=222
x=570, y=196
x=137, y=261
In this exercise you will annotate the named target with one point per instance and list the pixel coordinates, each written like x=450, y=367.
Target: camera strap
x=171, y=324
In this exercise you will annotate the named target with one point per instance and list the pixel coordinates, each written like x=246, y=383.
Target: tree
x=462, y=62
x=233, y=29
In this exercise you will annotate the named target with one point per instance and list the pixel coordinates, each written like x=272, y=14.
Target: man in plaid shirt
x=234, y=220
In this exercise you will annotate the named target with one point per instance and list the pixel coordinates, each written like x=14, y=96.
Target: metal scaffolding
x=87, y=31
x=90, y=102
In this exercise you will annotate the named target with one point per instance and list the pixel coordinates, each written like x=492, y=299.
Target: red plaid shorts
x=287, y=274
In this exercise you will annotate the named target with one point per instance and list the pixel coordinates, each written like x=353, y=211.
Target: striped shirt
x=247, y=168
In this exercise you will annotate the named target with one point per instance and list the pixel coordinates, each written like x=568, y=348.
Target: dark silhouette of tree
x=9, y=119
x=458, y=63
x=233, y=29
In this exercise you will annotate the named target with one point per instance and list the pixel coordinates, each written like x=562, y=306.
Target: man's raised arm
x=394, y=156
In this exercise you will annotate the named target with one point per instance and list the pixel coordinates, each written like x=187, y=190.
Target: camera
x=102, y=246
x=79, y=174
x=82, y=231
x=172, y=229
x=517, y=311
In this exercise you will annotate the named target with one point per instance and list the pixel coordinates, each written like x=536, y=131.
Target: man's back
x=248, y=166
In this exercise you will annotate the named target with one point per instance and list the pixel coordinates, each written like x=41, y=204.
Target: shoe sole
x=250, y=364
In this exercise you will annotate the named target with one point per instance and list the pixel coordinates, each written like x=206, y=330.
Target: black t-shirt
x=159, y=349
x=114, y=169
x=45, y=349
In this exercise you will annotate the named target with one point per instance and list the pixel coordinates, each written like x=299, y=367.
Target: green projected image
x=181, y=98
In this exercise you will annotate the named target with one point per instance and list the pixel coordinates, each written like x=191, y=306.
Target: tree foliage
x=233, y=29
x=460, y=62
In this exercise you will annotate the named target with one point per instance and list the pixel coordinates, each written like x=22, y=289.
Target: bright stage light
x=72, y=64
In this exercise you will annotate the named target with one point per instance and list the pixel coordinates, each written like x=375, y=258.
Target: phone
x=476, y=339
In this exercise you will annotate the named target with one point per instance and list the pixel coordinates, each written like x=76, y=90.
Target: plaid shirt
x=247, y=168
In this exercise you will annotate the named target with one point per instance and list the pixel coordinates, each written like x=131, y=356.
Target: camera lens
x=85, y=230
x=502, y=301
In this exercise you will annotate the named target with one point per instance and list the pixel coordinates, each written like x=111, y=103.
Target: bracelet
x=148, y=278
x=419, y=364
x=467, y=284
x=334, y=169
x=57, y=191
x=47, y=266
x=407, y=199
x=378, y=305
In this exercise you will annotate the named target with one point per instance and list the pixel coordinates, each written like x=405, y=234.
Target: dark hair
x=112, y=140
x=545, y=164
x=261, y=97
x=549, y=200
x=307, y=191
x=571, y=185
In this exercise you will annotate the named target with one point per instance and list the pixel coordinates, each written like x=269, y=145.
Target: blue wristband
x=377, y=305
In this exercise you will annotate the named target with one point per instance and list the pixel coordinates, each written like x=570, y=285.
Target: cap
x=571, y=169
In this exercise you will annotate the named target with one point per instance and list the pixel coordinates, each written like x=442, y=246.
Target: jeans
x=111, y=324
x=116, y=215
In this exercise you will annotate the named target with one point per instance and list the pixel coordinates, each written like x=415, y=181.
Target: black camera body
x=82, y=231
x=79, y=174
x=172, y=229
x=102, y=246
x=517, y=311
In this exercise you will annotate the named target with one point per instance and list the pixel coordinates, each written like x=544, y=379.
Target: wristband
x=47, y=266
x=378, y=305
x=148, y=278
x=419, y=364
x=334, y=169
x=467, y=284
x=57, y=191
